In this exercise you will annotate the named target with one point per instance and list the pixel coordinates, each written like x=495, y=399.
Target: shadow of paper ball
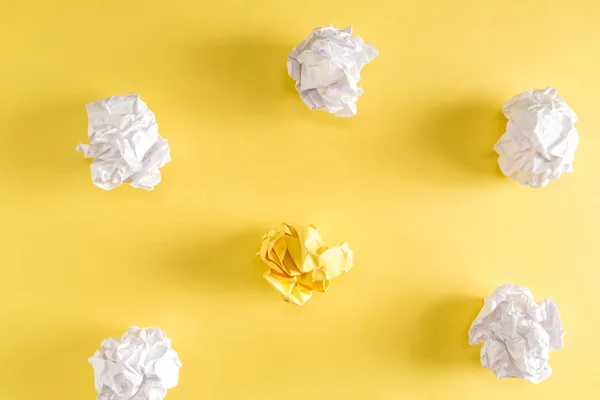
x=226, y=265
x=240, y=74
x=39, y=143
x=462, y=135
x=56, y=357
x=440, y=338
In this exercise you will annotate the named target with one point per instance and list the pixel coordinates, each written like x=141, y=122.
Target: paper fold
x=517, y=334
x=141, y=365
x=300, y=263
x=124, y=143
x=540, y=140
x=326, y=67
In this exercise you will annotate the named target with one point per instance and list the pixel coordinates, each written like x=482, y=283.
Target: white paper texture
x=540, y=139
x=124, y=143
x=326, y=68
x=141, y=365
x=517, y=334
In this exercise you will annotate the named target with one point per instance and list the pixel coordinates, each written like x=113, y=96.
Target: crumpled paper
x=124, y=143
x=540, y=139
x=139, y=366
x=517, y=334
x=326, y=68
x=300, y=263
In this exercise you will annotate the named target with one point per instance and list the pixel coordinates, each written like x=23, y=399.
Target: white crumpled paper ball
x=124, y=143
x=517, y=334
x=139, y=366
x=540, y=139
x=326, y=68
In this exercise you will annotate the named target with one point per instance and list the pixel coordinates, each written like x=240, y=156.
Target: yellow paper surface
x=300, y=263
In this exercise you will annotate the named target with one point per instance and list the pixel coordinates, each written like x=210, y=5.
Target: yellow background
x=411, y=183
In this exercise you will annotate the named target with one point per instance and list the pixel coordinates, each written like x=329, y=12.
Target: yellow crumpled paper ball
x=300, y=263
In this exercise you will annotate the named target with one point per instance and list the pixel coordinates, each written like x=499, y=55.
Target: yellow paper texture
x=300, y=262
